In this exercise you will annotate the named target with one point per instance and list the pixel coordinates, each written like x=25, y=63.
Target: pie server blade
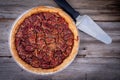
x=85, y=23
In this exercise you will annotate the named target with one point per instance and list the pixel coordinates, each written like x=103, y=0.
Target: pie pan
x=67, y=60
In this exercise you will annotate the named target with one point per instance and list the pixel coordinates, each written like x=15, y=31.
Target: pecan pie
x=44, y=40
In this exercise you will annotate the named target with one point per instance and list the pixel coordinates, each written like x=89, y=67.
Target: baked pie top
x=44, y=40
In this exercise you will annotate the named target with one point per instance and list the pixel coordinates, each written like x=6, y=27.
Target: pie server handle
x=66, y=7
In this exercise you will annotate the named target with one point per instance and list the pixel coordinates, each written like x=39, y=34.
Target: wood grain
x=100, y=10
x=95, y=60
x=81, y=68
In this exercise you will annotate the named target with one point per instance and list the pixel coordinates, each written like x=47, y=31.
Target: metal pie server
x=85, y=23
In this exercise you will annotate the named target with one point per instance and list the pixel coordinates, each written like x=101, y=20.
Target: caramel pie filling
x=44, y=40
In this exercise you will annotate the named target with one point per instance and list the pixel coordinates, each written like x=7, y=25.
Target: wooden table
x=95, y=60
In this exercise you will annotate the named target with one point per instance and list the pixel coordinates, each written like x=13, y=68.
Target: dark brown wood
x=100, y=10
x=95, y=60
x=92, y=68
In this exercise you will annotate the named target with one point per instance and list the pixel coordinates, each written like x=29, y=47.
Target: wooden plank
x=99, y=10
x=112, y=28
x=87, y=45
x=81, y=68
x=87, y=49
x=93, y=4
x=99, y=50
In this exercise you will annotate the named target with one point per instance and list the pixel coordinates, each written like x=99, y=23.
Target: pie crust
x=41, y=71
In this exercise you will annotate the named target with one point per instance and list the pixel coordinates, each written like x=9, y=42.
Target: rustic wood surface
x=95, y=60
